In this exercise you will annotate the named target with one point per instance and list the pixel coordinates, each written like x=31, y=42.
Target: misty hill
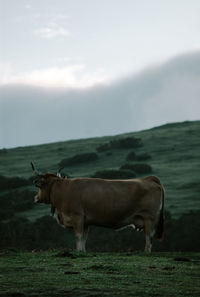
x=172, y=152
x=168, y=92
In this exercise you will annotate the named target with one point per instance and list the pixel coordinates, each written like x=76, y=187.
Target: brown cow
x=82, y=202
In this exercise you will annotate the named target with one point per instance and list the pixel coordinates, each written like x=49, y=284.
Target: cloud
x=52, y=31
x=36, y=15
x=33, y=115
x=28, y=6
x=75, y=76
x=53, y=25
x=68, y=59
x=60, y=17
x=5, y=71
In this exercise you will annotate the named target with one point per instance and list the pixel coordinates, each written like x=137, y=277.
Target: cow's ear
x=59, y=172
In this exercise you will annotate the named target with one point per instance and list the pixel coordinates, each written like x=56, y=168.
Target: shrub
x=104, y=147
x=140, y=157
x=6, y=214
x=131, y=156
x=109, y=153
x=7, y=183
x=21, y=233
x=126, y=143
x=143, y=157
x=115, y=174
x=15, y=201
x=138, y=168
x=24, y=200
x=122, y=143
x=186, y=239
x=77, y=159
x=3, y=151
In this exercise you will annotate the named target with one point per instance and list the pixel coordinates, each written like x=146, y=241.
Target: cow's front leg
x=79, y=233
x=148, y=235
x=148, y=244
x=79, y=242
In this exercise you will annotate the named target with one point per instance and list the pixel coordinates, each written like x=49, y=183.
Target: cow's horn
x=59, y=170
x=35, y=170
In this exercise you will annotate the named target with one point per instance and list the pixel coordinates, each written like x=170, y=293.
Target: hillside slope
x=174, y=151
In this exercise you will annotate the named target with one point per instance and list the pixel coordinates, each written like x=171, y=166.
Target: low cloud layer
x=168, y=93
x=72, y=76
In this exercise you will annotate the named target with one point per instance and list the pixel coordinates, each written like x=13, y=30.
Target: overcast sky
x=68, y=59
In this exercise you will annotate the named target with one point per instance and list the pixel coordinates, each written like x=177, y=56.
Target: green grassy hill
x=174, y=151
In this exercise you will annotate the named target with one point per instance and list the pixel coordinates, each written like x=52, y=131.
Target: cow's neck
x=50, y=191
x=53, y=199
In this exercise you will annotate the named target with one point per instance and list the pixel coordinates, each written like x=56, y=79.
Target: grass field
x=175, y=158
x=57, y=273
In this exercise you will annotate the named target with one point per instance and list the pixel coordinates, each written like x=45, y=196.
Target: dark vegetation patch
x=15, y=201
x=9, y=183
x=104, y=147
x=97, y=267
x=142, y=157
x=45, y=233
x=114, y=174
x=182, y=259
x=195, y=185
x=71, y=272
x=71, y=254
x=122, y=143
x=79, y=159
x=3, y=151
x=131, y=156
x=42, y=234
x=13, y=294
x=140, y=168
x=64, y=254
x=109, y=269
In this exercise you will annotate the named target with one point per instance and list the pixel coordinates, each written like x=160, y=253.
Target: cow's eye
x=39, y=183
x=36, y=182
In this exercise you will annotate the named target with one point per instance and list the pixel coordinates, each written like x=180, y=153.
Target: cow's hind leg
x=149, y=233
x=79, y=233
x=84, y=237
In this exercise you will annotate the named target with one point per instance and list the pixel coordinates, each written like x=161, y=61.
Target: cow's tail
x=160, y=226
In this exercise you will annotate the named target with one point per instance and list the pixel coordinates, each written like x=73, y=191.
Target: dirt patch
x=14, y=294
x=168, y=268
x=64, y=254
x=181, y=259
x=71, y=272
x=104, y=268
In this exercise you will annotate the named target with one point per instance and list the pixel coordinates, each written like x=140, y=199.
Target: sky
x=76, y=69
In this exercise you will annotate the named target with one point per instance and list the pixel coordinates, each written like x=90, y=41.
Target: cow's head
x=44, y=182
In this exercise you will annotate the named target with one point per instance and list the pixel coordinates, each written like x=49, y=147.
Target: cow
x=116, y=204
